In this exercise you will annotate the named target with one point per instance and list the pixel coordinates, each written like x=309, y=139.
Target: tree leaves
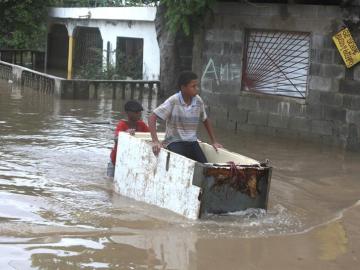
x=23, y=23
x=185, y=14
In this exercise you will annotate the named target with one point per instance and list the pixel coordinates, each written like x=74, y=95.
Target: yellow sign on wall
x=347, y=47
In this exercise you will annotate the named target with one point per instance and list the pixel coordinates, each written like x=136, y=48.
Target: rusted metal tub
x=229, y=182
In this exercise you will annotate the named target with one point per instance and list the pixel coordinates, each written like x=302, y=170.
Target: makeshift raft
x=229, y=182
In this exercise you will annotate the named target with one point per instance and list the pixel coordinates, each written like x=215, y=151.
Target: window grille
x=277, y=63
x=129, y=57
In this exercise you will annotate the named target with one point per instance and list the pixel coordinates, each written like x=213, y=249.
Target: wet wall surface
x=58, y=210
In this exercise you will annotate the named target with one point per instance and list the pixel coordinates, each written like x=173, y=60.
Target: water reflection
x=15, y=90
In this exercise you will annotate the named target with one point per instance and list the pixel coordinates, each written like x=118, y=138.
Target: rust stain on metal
x=240, y=178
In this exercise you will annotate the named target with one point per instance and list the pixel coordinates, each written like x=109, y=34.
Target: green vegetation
x=185, y=14
x=91, y=68
x=23, y=24
x=126, y=67
x=129, y=67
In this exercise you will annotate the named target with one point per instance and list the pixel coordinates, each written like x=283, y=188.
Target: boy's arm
x=210, y=131
x=156, y=145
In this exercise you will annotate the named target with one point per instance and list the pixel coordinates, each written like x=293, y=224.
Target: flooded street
x=58, y=210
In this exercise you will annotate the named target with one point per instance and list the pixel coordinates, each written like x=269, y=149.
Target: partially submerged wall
x=79, y=89
x=330, y=111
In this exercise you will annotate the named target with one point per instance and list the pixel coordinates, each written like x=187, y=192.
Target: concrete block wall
x=330, y=112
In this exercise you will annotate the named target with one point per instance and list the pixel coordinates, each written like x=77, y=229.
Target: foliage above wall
x=23, y=23
x=185, y=14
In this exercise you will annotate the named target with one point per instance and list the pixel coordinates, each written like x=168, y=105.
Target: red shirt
x=123, y=126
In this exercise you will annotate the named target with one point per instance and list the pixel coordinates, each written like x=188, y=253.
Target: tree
x=185, y=14
x=179, y=26
x=23, y=23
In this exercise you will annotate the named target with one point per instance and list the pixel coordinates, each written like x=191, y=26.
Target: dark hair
x=133, y=106
x=185, y=77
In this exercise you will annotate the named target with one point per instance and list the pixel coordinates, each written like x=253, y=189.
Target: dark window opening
x=88, y=53
x=129, y=57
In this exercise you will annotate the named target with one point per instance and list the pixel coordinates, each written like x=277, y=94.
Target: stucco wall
x=330, y=112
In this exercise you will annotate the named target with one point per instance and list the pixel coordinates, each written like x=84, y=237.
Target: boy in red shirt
x=133, y=123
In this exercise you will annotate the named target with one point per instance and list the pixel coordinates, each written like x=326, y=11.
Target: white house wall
x=131, y=22
x=107, y=13
x=138, y=29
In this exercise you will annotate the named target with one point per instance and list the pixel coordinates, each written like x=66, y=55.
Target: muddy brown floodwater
x=58, y=210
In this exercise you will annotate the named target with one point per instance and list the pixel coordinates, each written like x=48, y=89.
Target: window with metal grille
x=129, y=57
x=277, y=62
